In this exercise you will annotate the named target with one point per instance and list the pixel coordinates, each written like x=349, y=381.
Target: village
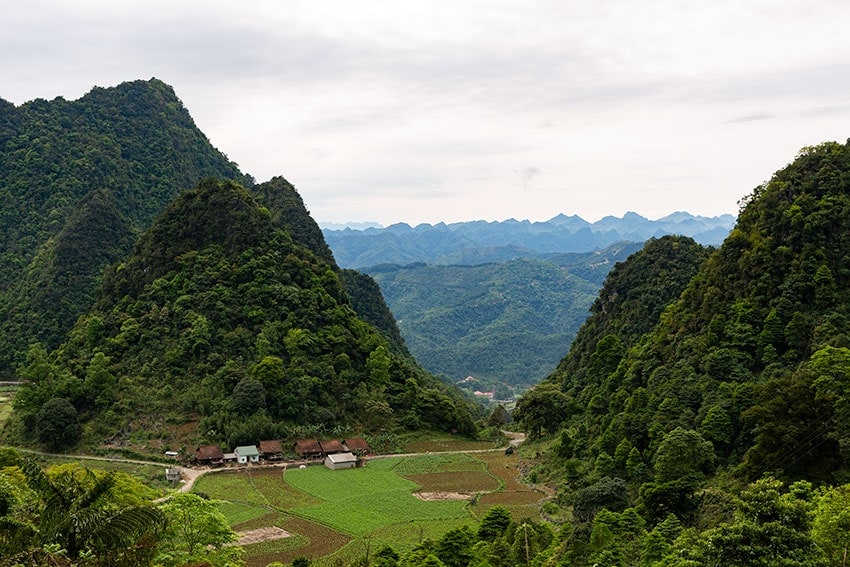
x=337, y=454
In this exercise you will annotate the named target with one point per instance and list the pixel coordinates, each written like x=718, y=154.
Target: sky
x=437, y=110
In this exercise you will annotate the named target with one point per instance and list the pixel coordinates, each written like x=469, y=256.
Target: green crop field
x=336, y=516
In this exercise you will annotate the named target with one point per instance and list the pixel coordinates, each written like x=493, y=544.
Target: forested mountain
x=218, y=315
x=505, y=324
x=79, y=181
x=289, y=213
x=479, y=242
x=744, y=375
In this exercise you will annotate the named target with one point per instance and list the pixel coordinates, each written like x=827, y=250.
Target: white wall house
x=247, y=454
x=341, y=461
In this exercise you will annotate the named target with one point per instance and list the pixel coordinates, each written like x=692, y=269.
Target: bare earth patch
x=261, y=534
x=434, y=496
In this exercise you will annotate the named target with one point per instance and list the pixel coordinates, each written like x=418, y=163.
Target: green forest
x=505, y=323
x=154, y=298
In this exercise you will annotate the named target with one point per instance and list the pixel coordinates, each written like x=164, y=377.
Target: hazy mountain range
x=477, y=242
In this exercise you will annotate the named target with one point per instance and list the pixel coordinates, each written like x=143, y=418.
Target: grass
x=362, y=513
x=241, y=512
x=337, y=516
x=329, y=485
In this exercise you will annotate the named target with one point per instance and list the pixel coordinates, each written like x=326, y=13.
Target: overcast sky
x=433, y=110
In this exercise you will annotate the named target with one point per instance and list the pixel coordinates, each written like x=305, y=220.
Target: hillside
x=219, y=327
x=505, y=324
x=289, y=213
x=479, y=242
x=742, y=377
x=79, y=181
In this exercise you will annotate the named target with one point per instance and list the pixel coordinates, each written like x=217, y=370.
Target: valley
x=683, y=404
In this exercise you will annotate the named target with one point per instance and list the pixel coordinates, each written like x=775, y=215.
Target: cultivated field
x=335, y=516
x=7, y=394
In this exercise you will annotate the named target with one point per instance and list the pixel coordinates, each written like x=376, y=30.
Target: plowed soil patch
x=435, y=496
x=261, y=534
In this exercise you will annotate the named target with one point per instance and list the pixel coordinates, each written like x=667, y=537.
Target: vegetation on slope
x=289, y=213
x=507, y=322
x=79, y=181
x=743, y=376
x=218, y=314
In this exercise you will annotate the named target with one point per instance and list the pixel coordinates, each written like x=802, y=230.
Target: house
x=247, y=454
x=172, y=474
x=271, y=450
x=229, y=458
x=357, y=445
x=338, y=461
x=331, y=446
x=209, y=455
x=308, y=449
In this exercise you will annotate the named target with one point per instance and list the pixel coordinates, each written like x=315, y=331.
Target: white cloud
x=436, y=110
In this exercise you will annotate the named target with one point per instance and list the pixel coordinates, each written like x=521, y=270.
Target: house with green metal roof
x=247, y=454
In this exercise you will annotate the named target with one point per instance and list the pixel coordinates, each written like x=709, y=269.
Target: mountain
x=79, y=181
x=713, y=430
x=506, y=324
x=474, y=242
x=743, y=374
x=220, y=327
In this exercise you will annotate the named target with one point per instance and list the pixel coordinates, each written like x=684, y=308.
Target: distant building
x=271, y=450
x=331, y=446
x=247, y=454
x=308, y=449
x=338, y=461
x=357, y=445
x=173, y=474
x=209, y=455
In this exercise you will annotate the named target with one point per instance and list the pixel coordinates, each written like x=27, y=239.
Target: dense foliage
x=69, y=516
x=79, y=181
x=508, y=322
x=213, y=294
x=742, y=375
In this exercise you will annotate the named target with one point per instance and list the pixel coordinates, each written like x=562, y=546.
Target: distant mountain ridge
x=475, y=242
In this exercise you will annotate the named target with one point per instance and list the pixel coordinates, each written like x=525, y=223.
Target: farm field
x=7, y=395
x=335, y=516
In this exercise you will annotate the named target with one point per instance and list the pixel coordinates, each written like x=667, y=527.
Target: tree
x=249, y=395
x=378, y=364
x=831, y=525
x=197, y=533
x=498, y=417
x=682, y=455
x=771, y=529
x=541, y=409
x=494, y=524
x=57, y=423
x=454, y=549
x=80, y=513
x=99, y=384
x=717, y=426
x=608, y=493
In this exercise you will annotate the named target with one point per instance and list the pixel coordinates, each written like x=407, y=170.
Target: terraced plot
x=337, y=516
